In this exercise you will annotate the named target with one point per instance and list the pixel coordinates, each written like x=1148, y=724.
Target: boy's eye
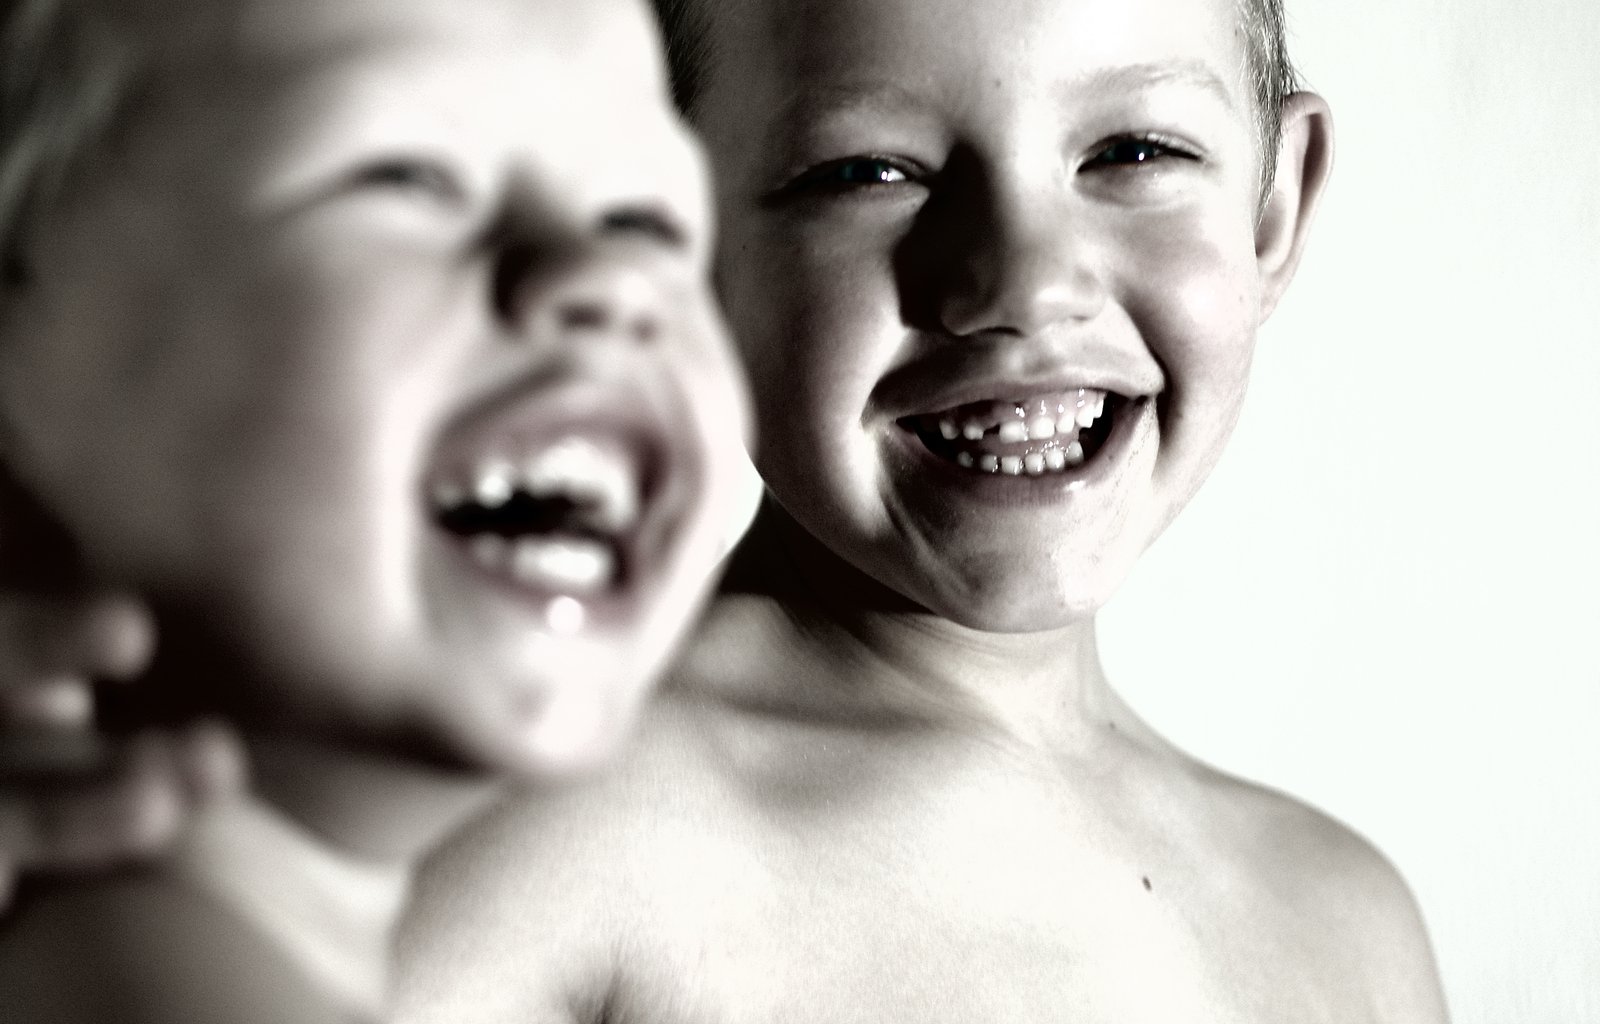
x=1135, y=151
x=851, y=173
x=863, y=172
x=417, y=175
x=646, y=223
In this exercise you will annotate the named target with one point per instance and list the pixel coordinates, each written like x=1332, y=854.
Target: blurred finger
x=131, y=813
x=54, y=703
x=212, y=762
x=45, y=639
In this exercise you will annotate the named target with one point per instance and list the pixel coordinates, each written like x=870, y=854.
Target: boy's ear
x=1305, y=157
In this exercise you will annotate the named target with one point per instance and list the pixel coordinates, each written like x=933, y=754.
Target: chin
x=1025, y=615
x=544, y=706
x=1020, y=601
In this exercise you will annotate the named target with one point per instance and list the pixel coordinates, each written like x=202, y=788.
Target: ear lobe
x=1305, y=158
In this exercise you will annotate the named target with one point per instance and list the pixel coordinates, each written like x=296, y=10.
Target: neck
x=889, y=655
x=369, y=805
x=322, y=859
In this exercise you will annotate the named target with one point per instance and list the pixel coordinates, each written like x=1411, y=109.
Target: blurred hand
x=71, y=798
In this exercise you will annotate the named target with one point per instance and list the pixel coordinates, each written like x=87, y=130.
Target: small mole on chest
x=1147, y=886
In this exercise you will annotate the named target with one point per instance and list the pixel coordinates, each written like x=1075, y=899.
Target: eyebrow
x=1134, y=77
x=809, y=104
x=875, y=95
x=866, y=95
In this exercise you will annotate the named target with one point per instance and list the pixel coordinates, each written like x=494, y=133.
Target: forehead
x=237, y=88
x=187, y=44
x=958, y=48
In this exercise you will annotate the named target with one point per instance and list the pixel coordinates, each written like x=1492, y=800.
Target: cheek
x=1198, y=307
x=1197, y=301
x=816, y=318
x=332, y=402
x=261, y=435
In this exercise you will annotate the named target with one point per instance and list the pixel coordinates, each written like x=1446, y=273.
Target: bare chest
x=971, y=924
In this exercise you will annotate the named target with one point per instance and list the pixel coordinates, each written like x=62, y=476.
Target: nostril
x=552, y=291
x=585, y=315
x=646, y=329
x=511, y=272
x=601, y=317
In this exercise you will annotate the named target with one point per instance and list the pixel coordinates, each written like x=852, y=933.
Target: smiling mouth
x=556, y=518
x=1042, y=435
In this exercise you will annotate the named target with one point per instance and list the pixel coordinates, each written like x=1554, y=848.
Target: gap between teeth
x=1059, y=424
x=1042, y=426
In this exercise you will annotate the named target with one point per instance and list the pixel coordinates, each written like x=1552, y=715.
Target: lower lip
x=1099, y=472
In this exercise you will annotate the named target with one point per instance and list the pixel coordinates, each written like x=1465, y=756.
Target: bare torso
x=759, y=862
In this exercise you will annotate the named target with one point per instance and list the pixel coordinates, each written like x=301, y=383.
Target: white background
x=1387, y=600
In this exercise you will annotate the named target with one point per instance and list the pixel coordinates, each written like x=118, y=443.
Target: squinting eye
x=645, y=223
x=866, y=172
x=867, y=178
x=1134, y=151
x=407, y=174
x=853, y=172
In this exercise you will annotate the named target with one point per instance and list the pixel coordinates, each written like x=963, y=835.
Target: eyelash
x=1152, y=149
x=835, y=176
x=432, y=180
x=411, y=174
x=1122, y=153
x=641, y=222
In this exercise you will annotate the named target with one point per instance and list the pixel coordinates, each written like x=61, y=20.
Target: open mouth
x=556, y=517
x=1041, y=435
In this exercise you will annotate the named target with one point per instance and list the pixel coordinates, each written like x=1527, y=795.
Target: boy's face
x=380, y=349
x=940, y=218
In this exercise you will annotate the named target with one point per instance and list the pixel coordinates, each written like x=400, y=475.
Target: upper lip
x=960, y=375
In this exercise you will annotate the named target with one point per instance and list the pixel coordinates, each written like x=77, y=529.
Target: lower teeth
x=1041, y=462
x=1030, y=446
x=567, y=565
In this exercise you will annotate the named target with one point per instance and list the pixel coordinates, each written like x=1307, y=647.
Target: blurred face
x=993, y=267
x=380, y=356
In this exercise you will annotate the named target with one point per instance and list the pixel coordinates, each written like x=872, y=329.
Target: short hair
x=1273, y=78
x=64, y=70
x=685, y=28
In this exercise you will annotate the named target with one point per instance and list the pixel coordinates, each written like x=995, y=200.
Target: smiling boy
x=370, y=341
x=997, y=271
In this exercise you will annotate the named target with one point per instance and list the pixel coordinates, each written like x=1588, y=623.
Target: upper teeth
x=601, y=481
x=1014, y=431
x=493, y=485
x=1034, y=421
x=579, y=469
x=1051, y=427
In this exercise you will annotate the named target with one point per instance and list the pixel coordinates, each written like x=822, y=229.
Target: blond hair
x=1270, y=74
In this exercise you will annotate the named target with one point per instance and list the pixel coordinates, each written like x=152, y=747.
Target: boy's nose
x=580, y=291
x=1020, y=274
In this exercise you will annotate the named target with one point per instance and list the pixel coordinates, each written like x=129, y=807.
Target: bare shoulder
x=1332, y=883
x=141, y=947
x=526, y=913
